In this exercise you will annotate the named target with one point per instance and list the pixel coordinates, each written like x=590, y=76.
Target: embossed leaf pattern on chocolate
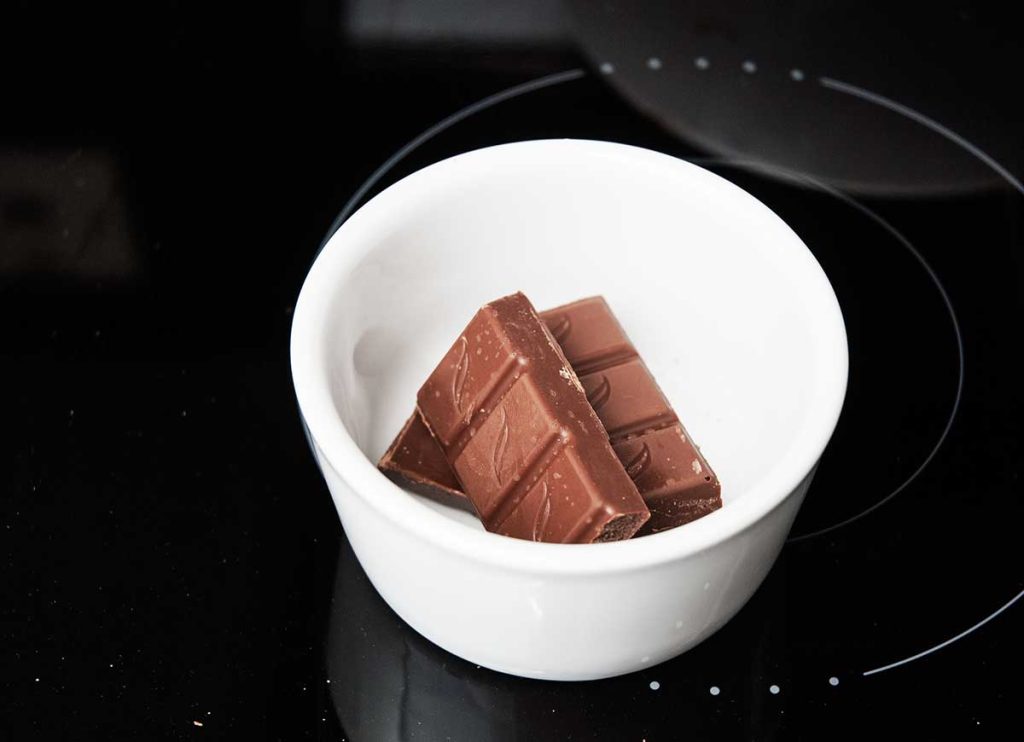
x=639, y=463
x=498, y=468
x=540, y=524
x=461, y=371
x=561, y=327
x=500, y=449
x=600, y=393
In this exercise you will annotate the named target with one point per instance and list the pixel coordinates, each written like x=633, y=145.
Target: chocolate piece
x=516, y=427
x=671, y=474
x=416, y=462
x=673, y=477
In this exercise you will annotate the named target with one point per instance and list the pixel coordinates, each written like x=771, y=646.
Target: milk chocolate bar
x=673, y=477
x=515, y=426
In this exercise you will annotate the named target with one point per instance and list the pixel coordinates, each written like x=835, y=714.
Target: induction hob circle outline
x=578, y=73
x=826, y=82
x=792, y=175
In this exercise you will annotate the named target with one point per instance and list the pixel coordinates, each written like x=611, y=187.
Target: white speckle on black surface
x=749, y=66
x=774, y=690
x=607, y=68
x=796, y=74
x=702, y=63
x=714, y=690
x=654, y=64
x=833, y=681
x=655, y=685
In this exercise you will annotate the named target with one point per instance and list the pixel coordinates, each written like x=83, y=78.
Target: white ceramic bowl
x=728, y=307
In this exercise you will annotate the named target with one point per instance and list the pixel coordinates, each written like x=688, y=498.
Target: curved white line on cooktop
x=946, y=643
x=1012, y=180
x=920, y=118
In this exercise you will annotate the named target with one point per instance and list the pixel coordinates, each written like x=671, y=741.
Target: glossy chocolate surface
x=671, y=474
x=517, y=429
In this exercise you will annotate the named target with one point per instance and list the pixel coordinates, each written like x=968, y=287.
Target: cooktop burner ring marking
x=785, y=174
x=920, y=118
x=938, y=128
x=910, y=113
x=704, y=63
x=946, y=643
x=884, y=224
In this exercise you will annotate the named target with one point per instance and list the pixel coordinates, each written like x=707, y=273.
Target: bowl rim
x=336, y=448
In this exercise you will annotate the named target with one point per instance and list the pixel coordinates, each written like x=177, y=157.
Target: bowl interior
x=725, y=304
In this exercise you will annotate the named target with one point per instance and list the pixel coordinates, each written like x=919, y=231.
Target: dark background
x=171, y=557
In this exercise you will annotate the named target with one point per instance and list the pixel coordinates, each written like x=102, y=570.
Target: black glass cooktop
x=175, y=568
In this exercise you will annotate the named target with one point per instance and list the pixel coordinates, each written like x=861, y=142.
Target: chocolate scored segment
x=514, y=423
x=589, y=335
x=669, y=471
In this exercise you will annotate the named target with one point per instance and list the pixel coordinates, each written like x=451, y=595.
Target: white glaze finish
x=728, y=308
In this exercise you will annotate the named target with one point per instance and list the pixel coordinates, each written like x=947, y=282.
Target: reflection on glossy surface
x=744, y=82
x=64, y=212
x=389, y=683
